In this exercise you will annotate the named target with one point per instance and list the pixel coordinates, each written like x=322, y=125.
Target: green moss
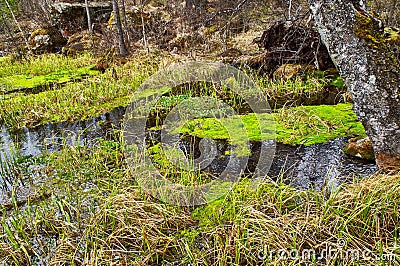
x=238, y=129
x=317, y=124
x=212, y=29
x=338, y=82
x=367, y=29
x=393, y=35
x=301, y=125
x=42, y=65
x=59, y=77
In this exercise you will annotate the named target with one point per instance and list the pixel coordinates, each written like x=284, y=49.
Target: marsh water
x=315, y=166
x=30, y=143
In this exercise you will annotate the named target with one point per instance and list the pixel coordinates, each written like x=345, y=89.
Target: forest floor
x=81, y=205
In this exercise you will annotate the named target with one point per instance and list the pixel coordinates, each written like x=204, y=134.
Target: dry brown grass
x=114, y=223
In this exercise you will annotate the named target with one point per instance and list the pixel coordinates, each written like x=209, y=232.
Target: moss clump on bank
x=22, y=81
x=77, y=100
x=42, y=64
x=317, y=124
x=305, y=125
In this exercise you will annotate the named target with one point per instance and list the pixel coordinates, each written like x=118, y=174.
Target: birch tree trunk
x=121, y=42
x=356, y=44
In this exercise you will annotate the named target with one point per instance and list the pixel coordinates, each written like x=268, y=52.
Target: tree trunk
x=121, y=42
x=356, y=43
x=127, y=31
x=89, y=21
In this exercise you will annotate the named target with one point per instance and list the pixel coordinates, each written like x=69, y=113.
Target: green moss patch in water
x=309, y=125
x=305, y=125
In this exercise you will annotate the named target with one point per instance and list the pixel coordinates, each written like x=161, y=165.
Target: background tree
x=355, y=40
x=126, y=27
x=123, y=51
x=88, y=17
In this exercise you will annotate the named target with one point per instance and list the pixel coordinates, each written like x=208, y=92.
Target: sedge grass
x=310, y=89
x=97, y=215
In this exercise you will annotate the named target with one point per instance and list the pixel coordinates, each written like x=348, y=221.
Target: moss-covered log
x=356, y=44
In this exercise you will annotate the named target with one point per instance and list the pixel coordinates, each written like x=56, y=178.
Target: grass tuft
x=98, y=215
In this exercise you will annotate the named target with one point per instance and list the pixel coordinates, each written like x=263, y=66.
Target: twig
x=19, y=27
x=143, y=29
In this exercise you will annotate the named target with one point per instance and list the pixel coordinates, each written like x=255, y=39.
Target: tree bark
x=121, y=42
x=356, y=43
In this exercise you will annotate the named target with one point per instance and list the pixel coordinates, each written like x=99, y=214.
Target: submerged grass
x=97, y=215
